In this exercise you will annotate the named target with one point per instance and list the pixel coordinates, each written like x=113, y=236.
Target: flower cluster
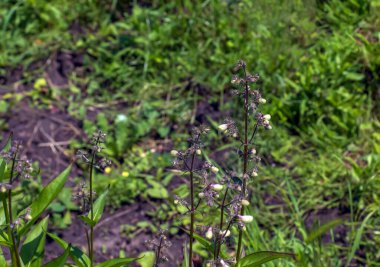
x=229, y=128
x=82, y=195
x=22, y=167
x=187, y=161
x=159, y=246
x=96, y=147
x=22, y=219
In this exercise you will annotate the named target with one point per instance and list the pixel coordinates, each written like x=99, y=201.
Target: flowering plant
x=231, y=188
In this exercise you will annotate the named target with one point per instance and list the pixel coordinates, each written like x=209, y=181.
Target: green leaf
x=86, y=220
x=34, y=244
x=353, y=76
x=60, y=260
x=185, y=262
x=5, y=243
x=207, y=244
x=116, y=262
x=147, y=259
x=47, y=195
x=2, y=170
x=258, y=258
x=2, y=217
x=358, y=238
x=157, y=190
x=99, y=207
x=8, y=144
x=3, y=164
x=78, y=256
x=322, y=229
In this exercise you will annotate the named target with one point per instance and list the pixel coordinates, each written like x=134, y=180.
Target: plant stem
x=91, y=243
x=91, y=248
x=158, y=253
x=5, y=205
x=191, y=212
x=238, y=252
x=192, y=215
x=15, y=254
x=221, y=226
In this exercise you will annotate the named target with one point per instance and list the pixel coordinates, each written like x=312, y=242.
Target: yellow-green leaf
x=258, y=258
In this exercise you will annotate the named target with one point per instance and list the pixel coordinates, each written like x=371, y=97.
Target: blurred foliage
x=148, y=65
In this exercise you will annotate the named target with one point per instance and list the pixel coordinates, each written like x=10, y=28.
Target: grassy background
x=320, y=66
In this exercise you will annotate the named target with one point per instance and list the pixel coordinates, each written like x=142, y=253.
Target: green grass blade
x=322, y=229
x=358, y=238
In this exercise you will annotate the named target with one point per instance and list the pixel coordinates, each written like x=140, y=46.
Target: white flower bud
x=216, y=187
x=3, y=189
x=225, y=233
x=234, y=135
x=209, y=233
x=253, y=151
x=262, y=100
x=267, y=117
x=176, y=201
x=254, y=173
x=269, y=127
x=245, y=202
x=246, y=218
x=214, y=169
x=28, y=217
x=199, y=152
x=223, y=263
x=223, y=127
x=201, y=195
x=174, y=153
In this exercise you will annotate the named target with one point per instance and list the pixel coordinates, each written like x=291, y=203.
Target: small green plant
x=93, y=210
x=20, y=232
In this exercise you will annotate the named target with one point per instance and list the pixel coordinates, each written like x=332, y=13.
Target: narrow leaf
x=3, y=164
x=322, y=229
x=206, y=243
x=60, y=260
x=2, y=169
x=99, y=207
x=8, y=144
x=358, y=238
x=2, y=216
x=116, y=262
x=86, y=220
x=78, y=256
x=47, y=195
x=258, y=258
x=185, y=262
x=33, y=247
